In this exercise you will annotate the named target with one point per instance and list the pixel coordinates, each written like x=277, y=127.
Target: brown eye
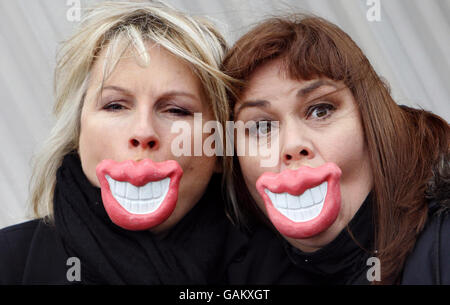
x=320, y=111
x=261, y=128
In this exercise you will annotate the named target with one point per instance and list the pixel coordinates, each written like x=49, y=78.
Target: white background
x=409, y=46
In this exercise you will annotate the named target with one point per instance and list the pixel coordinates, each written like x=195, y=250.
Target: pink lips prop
x=139, y=174
x=296, y=182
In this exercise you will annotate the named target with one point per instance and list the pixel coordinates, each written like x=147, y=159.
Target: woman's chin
x=316, y=242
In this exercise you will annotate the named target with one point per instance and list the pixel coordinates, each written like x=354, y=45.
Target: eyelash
x=255, y=132
x=177, y=111
x=110, y=106
x=329, y=107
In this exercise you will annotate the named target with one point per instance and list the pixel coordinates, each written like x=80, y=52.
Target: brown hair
x=408, y=148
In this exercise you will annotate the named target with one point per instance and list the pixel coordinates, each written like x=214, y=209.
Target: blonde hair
x=105, y=25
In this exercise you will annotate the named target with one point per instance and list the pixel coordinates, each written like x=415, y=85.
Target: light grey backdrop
x=409, y=46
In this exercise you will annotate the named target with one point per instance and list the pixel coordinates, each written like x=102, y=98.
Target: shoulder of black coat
x=15, y=244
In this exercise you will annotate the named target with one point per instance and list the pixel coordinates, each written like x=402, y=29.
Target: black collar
x=343, y=260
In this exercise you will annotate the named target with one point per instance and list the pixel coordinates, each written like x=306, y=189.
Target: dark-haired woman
x=361, y=188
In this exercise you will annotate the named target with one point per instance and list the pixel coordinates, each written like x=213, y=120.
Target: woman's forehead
x=118, y=65
x=272, y=77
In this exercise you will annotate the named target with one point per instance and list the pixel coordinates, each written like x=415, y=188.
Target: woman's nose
x=296, y=153
x=144, y=142
x=296, y=147
x=144, y=135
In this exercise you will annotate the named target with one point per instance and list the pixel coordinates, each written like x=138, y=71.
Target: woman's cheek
x=99, y=140
x=251, y=171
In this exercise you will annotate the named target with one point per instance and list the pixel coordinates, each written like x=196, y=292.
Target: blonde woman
x=122, y=80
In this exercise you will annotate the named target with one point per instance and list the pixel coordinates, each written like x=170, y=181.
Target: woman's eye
x=261, y=129
x=320, y=111
x=114, y=107
x=179, y=111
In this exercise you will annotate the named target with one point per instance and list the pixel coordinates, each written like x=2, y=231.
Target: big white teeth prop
x=302, y=202
x=139, y=195
x=300, y=208
x=139, y=199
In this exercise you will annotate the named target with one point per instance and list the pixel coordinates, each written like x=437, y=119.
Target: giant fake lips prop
x=304, y=202
x=139, y=195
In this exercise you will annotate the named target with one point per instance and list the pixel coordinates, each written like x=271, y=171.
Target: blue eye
x=320, y=111
x=179, y=111
x=113, y=107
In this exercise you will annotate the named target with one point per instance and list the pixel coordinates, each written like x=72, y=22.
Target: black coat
x=344, y=262
x=429, y=263
x=32, y=253
x=83, y=241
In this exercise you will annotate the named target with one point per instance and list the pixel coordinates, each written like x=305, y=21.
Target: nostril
x=151, y=144
x=135, y=143
x=288, y=157
x=304, y=152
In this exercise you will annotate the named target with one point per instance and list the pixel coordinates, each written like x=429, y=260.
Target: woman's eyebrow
x=180, y=93
x=164, y=94
x=247, y=104
x=110, y=87
x=313, y=86
x=117, y=88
